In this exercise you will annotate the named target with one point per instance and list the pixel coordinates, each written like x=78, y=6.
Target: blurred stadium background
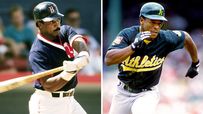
x=179, y=95
x=12, y=65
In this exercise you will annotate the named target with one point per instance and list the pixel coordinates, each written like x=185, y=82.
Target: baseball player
x=140, y=52
x=52, y=48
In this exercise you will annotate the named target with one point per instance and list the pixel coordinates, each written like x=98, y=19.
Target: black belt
x=64, y=94
x=136, y=90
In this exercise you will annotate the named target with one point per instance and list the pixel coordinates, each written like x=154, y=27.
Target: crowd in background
x=179, y=95
x=17, y=39
x=17, y=36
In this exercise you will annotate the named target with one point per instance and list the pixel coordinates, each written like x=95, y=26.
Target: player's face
x=153, y=26
x=51, y=28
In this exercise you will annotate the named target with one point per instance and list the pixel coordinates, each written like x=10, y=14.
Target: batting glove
x=72, y=67
x=80, y=62
x=138, y=42
x=66, y=75
x=193, y=70
x=70, y=70
x=69, y=66
x=82, y=59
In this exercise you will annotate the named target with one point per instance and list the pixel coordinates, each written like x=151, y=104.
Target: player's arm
x=55, y=83
x=81, y=60
x=79, y=45
x=116, y=56
x=191, y=47
x=40, y=63
x=192, y=50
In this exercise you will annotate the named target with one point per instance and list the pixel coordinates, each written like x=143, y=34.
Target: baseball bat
x=17, y=82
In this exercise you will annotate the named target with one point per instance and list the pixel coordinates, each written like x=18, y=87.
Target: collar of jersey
x=40, y=37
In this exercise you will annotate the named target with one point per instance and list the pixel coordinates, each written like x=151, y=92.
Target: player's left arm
x=82, y=59
x=79, y=45
x=190, y=46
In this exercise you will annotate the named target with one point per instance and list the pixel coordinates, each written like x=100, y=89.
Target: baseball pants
x=42, y=102
x=124, y=102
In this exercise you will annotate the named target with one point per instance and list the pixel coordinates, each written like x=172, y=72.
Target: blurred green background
x=16, y=101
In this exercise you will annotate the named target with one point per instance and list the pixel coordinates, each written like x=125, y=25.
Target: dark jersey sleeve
x=69, y=33
x=122, y=40
x=39, y=62
x=175, y=39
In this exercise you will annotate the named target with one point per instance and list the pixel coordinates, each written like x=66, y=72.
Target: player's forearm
x=191, y=48
x=54, y=83
x=116, y=56
x=79, y=45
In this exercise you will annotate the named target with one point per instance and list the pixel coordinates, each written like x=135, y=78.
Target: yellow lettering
x=131, y=62
x=155, y=61
x=146, y=64
x=136, y=61
x=144, y=60
x=159, y=61
x=162, y=60
x=153, y=58
x=126, y=61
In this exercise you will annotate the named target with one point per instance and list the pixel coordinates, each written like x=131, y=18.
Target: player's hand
x=138, y=42
x=69, y=66
x=193, y=70
x=70, y=70
x=81, y=60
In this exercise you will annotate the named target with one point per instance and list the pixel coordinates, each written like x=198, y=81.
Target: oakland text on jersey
x=138, y=64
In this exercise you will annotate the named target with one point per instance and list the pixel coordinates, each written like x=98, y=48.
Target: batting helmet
x=46, y=11
x=153, y=10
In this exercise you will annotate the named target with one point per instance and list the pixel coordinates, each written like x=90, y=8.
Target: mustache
x=57, y=29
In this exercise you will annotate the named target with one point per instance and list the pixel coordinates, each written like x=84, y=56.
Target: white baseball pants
x=124, y=102
x=42, y=102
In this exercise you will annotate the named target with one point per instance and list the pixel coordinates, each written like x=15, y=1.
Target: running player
x=140, y=52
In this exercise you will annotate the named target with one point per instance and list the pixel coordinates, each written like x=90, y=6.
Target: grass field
x=16, y=101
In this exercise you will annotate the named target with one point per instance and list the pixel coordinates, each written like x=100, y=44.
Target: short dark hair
x=142, y=17
x=39, y=22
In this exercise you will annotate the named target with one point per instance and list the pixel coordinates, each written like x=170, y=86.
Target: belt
x=56, y=94
x=135, y=90
x=63, y=94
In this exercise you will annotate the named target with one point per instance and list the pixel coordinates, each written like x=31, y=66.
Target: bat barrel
x=17, y=82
